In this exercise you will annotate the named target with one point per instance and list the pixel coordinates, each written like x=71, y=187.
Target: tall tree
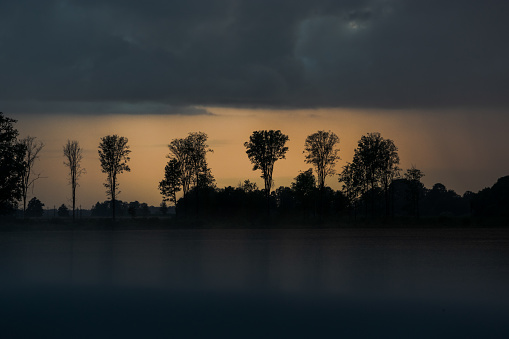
x=172, y=181
x=73, y=154
x=374, y=166
x=321, y=152
x=264, y=148
x=114, y=156
x=197, y=150
x=354, y=184
x=188, y=160
x=28, y=176
x=12, y=154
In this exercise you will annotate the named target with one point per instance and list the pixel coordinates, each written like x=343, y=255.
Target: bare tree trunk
x=73, y=198
x=113, y=198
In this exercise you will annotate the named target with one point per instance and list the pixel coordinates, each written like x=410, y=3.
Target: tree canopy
x=374, y=167
x=321, y=152
x=187, y=167
x=12, y=154
x=114, y=156
x=35, y=208
x=264, y=148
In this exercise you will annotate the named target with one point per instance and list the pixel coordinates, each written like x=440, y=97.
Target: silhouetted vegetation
x=264, y=148
x=122, y=209
x=163, y=208
x=492, y=201
x=187, y=169
x=114, y=155
x=372, y=190
x=244, y=202
x=73, y=154
x=28, y=176
x=373, y=169
x=321, y=152
x=12, y=153
x=34, y=208
x=414, y=190
x=63, y=211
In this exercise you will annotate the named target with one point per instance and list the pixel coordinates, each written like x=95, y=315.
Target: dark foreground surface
x=255, y=283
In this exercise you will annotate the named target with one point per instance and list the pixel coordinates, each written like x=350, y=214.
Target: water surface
x=255, y=283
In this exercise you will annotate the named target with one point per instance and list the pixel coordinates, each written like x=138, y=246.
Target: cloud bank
x=81, y=55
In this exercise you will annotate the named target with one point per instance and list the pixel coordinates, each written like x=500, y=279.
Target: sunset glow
x=459, y=160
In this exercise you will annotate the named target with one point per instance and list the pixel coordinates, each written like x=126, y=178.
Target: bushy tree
x=321, y=152
x=12, y=154
x=34, y=208
x=304, y=189
x=114, y=156
x=354, y=184
x=63, y=211
x=374, y=168
x=187, y=167
x=264, y=148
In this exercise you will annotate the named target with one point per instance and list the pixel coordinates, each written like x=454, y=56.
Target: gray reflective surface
x=252, y=283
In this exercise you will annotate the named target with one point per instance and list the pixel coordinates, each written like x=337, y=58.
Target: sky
x=431, y=75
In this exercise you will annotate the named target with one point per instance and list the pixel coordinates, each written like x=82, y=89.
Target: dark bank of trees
x=491, y=201
x=373, y=184
x=131, y=209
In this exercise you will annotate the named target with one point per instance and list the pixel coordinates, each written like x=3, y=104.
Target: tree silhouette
x=414, y=176
x=34, y=208
x=73, y=154
x=304, y=189
x=133, y=208
x=187, y=166
x=374, y=167
x=172, y=181
x=264, y=148
x=163, y=208
x=11, y=165
x=248, y=186
x=114, y=155
x=28, y=178
x=321, y=152
x=63, y=211
x=354, y=184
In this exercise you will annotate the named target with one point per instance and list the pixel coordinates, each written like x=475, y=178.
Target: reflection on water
x=275, y=282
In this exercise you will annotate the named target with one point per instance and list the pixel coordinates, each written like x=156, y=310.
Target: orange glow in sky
x=460, y=153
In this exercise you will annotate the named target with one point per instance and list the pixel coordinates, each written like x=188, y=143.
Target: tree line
x=373, y=184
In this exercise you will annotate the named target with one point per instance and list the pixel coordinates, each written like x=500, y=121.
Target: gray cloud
x=100, y=108
x=322, y=53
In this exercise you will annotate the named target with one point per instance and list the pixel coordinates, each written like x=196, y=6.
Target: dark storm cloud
x=253, y=53
x=100, y=107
